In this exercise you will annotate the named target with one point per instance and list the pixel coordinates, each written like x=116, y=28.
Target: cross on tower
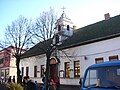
x=63, y=8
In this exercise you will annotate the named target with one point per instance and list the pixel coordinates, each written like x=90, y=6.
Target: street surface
x=70, y=87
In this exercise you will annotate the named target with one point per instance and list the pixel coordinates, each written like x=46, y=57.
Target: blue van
x=102, y=76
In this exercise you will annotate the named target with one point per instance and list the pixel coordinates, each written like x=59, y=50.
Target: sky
x=81, y=12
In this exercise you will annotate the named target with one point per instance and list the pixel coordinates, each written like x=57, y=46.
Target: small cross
x=63, y=8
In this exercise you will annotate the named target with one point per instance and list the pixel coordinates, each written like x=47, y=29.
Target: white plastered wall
x=91, y=51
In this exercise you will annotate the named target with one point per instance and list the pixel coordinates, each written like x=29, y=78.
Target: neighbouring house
x=7, y=63
x=77, y=49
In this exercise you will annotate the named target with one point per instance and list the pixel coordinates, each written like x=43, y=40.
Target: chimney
x=107, y=16
x=74, y=27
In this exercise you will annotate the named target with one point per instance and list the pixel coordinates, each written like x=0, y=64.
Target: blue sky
x=81, y=12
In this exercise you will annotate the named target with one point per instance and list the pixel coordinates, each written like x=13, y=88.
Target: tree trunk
x=48, y=55
x=19, y=78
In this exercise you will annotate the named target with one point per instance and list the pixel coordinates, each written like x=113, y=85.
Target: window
x=6, y=72
x=42, y=70
x=68, y=27
x=35, y=71
x=27, y=71
x=112, y=58
x=98, y=60
x=56, y=39
x=1, y=61
x=2, y=73
x=102, y=76
x=22, y=71
x=67, y=69
x=7, y=58
x=59, y=28
x=91, y=78
x=77, y=68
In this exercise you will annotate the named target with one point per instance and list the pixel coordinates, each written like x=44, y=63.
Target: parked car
x=102, y=76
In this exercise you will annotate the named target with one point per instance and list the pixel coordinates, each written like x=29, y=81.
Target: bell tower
x=63, y=28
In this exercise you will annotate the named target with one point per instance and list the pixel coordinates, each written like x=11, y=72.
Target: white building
x=95, y=43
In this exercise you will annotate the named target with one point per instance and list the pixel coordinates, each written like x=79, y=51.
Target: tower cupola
x=64, y=27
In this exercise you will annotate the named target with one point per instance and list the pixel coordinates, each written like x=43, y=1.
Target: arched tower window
x=59, y=28
x=56, y=39
x=68, y=27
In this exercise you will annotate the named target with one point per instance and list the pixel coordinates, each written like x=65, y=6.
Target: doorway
x=53, y=68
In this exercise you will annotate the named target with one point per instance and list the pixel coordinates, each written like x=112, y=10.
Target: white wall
x=103, y=49
x=31, y=62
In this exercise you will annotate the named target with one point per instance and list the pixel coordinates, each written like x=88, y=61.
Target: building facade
x=7, y=63
x=95, y=43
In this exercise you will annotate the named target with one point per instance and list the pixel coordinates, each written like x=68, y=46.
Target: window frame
x=42, y=70
x=76, y=69
x=113, y=58
x=35, y=71
x=68, y=27
x=59, y=27
x=67, y=69
x=22, y=71
x=99, y=60
x=27, y=71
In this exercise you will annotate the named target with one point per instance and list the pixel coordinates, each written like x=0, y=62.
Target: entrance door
x=53, y=68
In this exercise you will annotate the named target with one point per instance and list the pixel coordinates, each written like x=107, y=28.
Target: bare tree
x=44, y=32
x=18, y=34
x=44, y=25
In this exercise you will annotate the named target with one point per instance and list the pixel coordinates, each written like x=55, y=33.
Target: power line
x=70, y=56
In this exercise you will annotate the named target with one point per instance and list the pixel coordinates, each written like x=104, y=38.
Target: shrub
x=14, y=86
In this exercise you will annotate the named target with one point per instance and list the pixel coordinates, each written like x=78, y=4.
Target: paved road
x=70, y=87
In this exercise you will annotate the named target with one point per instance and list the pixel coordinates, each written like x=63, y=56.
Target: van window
x=118, y=71
x=103, y=77
x=91, y=78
